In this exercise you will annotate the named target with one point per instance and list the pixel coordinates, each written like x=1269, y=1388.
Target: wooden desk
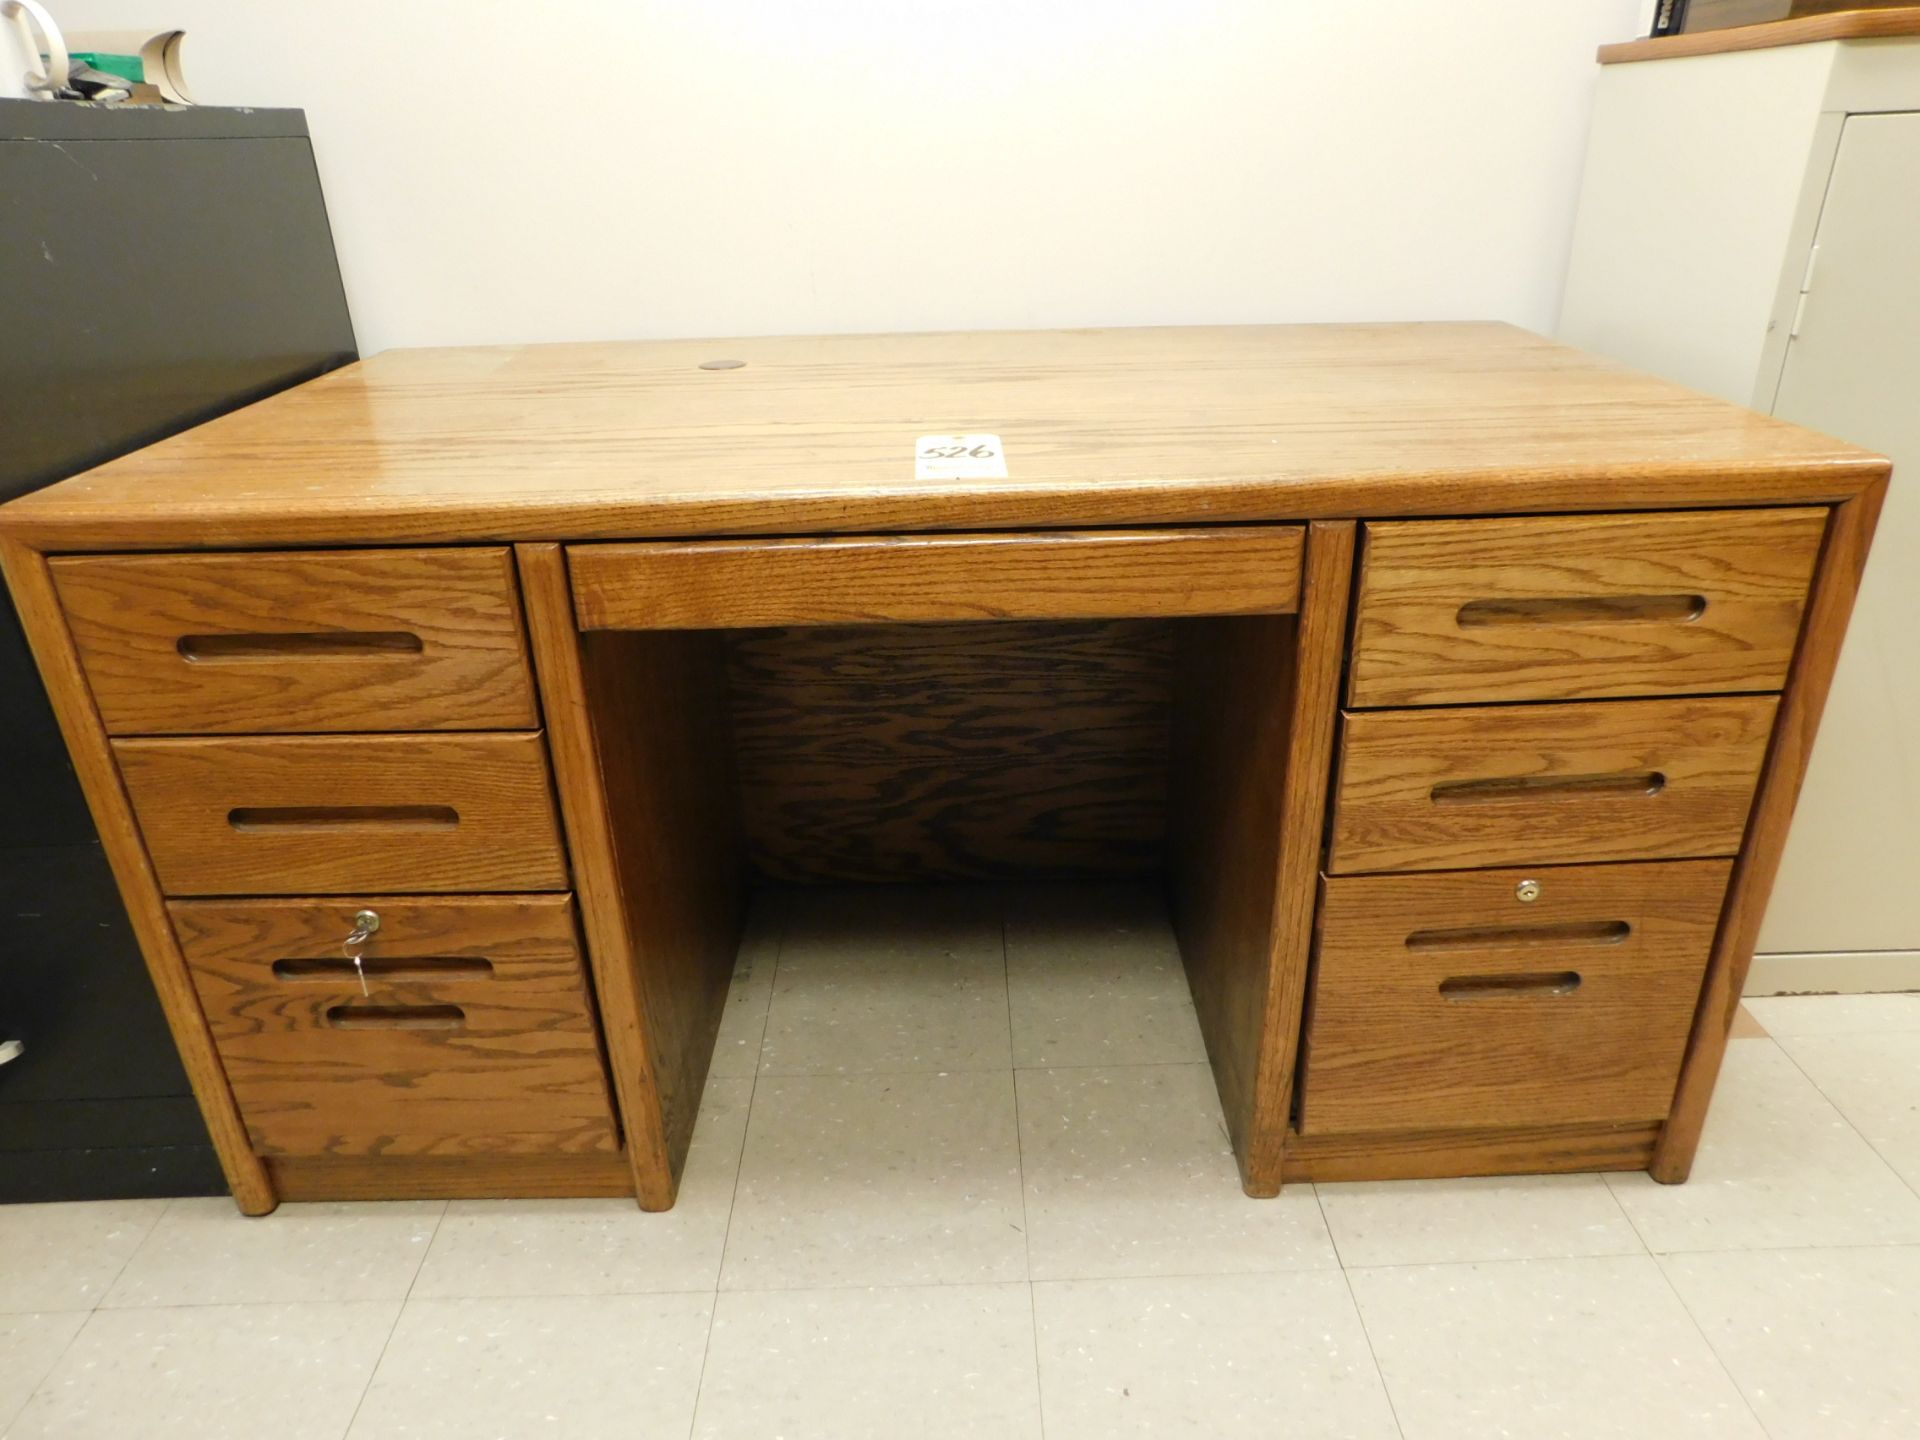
x=1460, y=686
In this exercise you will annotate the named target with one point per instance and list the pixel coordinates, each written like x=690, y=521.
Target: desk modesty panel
x=1457, y=687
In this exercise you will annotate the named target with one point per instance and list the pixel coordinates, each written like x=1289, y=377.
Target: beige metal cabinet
x=1750, y=225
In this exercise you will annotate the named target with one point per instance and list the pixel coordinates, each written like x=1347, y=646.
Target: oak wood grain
x=517, y=1071
x=1233, y=691
x=736, y=584
x=37, y=603
x=1803, y=30
x=1447, y=1154
x=816, y=435
x=638, y=730
x=1397, y=1041
x=1547, y=784
x=296, y=814
x=892, y=753
x=1843, y=558
x=336, y=641
x=448, y=1177
x=1580, y=607
x=1256, y=704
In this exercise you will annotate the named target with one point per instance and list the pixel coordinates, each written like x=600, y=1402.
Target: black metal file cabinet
x=157, y=268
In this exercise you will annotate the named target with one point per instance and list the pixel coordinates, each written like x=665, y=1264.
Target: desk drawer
x=1547, y=784
x=321, y=641
x=477, y=1036
x=1580, y=606
x=1444, y=1002
x=870, y=579
x=327, y=814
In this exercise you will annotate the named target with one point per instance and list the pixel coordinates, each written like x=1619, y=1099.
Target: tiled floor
x=961, y=1173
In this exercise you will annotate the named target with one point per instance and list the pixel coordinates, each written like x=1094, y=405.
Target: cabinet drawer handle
x=1521, y=937
x=394, y=969
x=1547, y=787
x=1584, y=610
x=310, y=645
x=396, y=1017
x=1481, y=987
x=257, y=818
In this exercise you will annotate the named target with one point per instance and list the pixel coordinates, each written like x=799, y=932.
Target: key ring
x=364, y=925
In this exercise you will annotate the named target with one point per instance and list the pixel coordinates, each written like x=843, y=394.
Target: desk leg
x=1253, y=752
x=636, y=728
x=1842, y=560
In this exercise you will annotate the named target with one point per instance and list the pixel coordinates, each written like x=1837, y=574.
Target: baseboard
x=1855, y=972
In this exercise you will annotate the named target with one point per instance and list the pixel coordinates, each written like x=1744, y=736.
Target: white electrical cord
x=26, y=15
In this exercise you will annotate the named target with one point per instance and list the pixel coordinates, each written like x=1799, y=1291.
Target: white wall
x=604, y=168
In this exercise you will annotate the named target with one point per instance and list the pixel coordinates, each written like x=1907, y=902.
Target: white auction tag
x=959, y=457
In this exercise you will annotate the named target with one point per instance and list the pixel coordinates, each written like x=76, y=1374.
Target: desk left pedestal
x=275, y=745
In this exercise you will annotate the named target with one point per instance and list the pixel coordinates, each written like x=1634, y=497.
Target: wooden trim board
x=436, y=1177
x=1447, y=1154
x=589, y=830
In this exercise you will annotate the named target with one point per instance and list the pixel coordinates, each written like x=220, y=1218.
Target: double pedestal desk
x=439, y=713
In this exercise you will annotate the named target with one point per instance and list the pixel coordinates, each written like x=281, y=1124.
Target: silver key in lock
x=364, y=925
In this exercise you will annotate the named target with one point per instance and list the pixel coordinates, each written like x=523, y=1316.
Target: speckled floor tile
x=1518, y=1217
x=736, y=1051
x=29, y=1346
x=942, y=1362
x=1821, y=1342
x=1095, y=978
x=205, y=1252
x=211, y=1372
x=67, y=1256
x=1128, y=1172
x=559, y=1367
x=878, y=1180
x=1873, y=1080
x=1778, y=1166
x=1835, y=1014
x=1587, y=1349
x=595, y=1247
x=1228, y=1357
x=908, y=981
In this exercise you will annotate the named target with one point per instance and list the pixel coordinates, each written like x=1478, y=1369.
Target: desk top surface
x=818, y=435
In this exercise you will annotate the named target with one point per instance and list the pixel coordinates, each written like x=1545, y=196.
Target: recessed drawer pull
x=396, y=1017
x=1481, y=987
x=308, y=645
x=1521, y=937
x=1547, y=787
x=1583, y=610
x=343, y=817
x=396, y=969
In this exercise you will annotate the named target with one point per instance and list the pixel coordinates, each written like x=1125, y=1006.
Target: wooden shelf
x=1807, y=30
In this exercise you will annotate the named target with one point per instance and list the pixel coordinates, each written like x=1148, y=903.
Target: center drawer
x=1449, y=1002
x=289, y=814
x=1547, y=784
x=475, y=1036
